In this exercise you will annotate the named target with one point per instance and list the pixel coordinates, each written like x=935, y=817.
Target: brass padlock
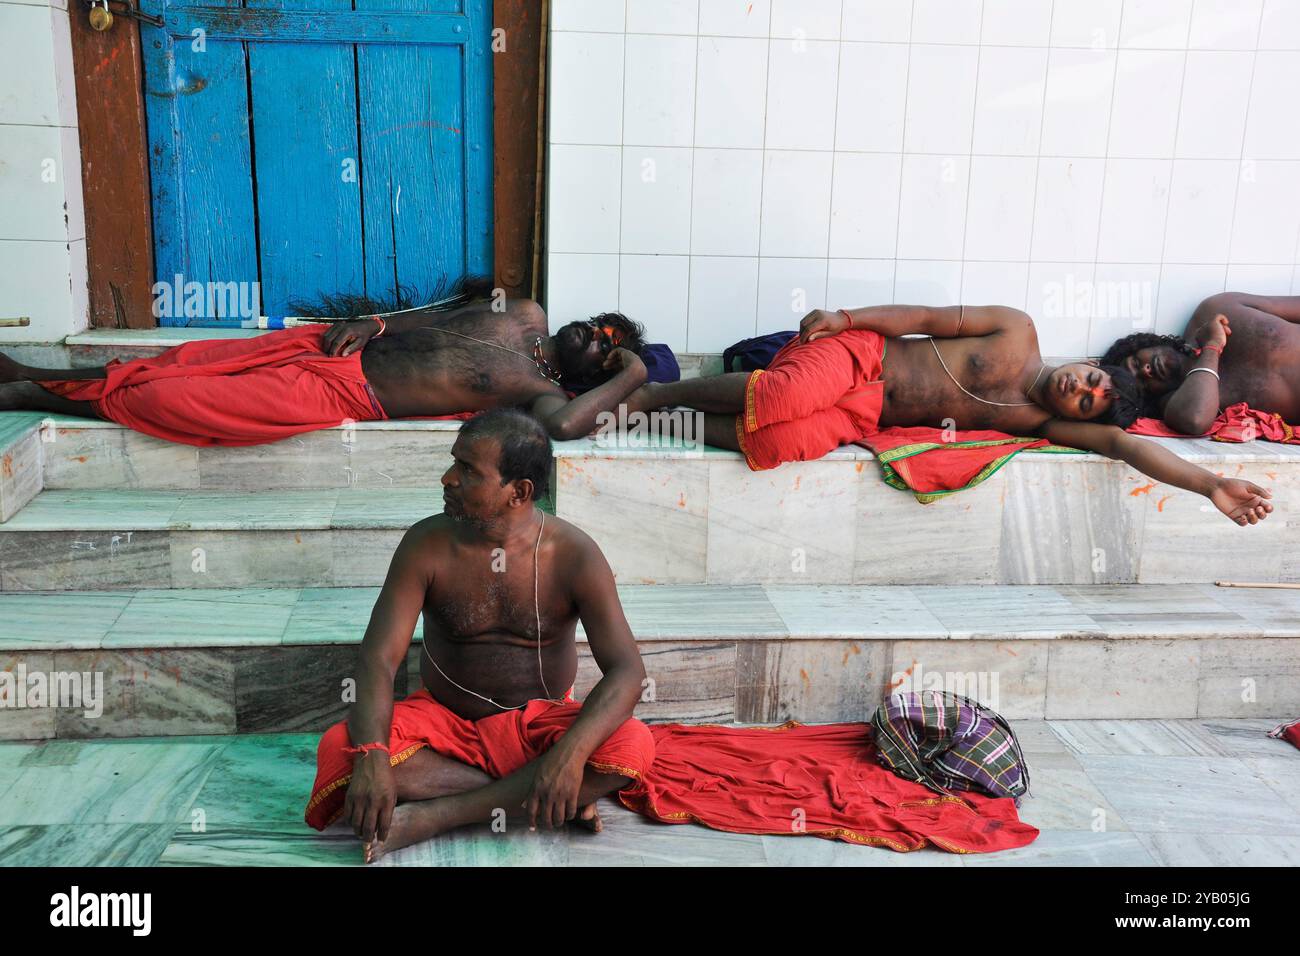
x=101, y=18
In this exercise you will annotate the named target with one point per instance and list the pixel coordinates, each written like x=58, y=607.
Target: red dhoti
x=498, y=745
x=813, y=398
x=232, y=391
x=815, y=780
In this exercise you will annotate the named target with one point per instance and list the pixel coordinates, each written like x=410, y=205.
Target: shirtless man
x=987, y=374
x=1261, y=365
x=423, y=362
x=492, y=733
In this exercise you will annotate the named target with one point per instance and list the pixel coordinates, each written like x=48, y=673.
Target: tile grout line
x=1038, y=161
x=1173, y=169
x=970, y=163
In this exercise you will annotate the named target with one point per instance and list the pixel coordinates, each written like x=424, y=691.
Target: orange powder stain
x=858, y=467
x=681, y=500
x=1160, y=505
x=1143, y=490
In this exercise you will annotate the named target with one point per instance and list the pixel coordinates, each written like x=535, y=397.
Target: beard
x=570, y=346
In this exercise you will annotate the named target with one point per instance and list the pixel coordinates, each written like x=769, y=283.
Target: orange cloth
x=244, y=391
x=821, y=780
x=813, y=398
x=498, y=745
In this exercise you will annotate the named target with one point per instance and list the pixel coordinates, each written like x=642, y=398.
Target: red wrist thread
x=364, y=749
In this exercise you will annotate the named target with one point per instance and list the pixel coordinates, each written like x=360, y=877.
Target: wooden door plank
x=200, y=161
x=114, y=172
x=307, y=164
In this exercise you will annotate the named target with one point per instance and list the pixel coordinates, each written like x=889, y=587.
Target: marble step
x=79, y=540
x=176, y=662
x=665, y=514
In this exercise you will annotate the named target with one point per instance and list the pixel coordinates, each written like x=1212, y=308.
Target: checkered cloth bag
x=948, y=742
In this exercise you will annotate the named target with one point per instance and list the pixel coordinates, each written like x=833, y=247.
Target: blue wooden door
x=316, y=146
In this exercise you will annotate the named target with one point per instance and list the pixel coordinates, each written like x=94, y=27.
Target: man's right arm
x=1194, y=405
x=371, y=794
x=891, y=321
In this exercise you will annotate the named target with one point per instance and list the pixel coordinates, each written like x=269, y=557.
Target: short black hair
x=1130, y=344
x=1129, y=403
x=525, y=446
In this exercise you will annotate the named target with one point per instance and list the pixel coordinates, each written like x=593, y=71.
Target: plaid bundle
x=949, y=742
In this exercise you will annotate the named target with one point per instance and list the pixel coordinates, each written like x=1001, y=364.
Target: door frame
x=115, y=162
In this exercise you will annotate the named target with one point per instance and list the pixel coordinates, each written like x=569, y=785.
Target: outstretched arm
x=566, y=419
x=1242, y=501
x=558, y=777
x=946, y=322
x=372, y=793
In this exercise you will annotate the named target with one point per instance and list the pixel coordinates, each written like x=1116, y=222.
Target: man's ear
x=1093, y=362
x=521, y=493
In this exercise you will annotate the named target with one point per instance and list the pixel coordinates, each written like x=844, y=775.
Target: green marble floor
x=1123, y=793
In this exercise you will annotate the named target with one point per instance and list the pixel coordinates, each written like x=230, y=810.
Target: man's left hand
x=554, y=795
x=1243, y=501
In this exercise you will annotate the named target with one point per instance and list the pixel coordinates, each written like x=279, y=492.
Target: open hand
x=820, y=323
x=372, y=794
x=553, y=798
x=344, y=338
x=1243, y=501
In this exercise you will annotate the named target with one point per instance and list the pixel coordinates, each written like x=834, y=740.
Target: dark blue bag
x=750, y=354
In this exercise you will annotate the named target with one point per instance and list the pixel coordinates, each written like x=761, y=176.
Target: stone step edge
x=1213, y=623
x=1200, y=451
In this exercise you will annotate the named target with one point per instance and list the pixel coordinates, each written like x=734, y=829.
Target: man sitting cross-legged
x=1246, y=348
x=423, y=362
x=494, y=730
x=849, y=374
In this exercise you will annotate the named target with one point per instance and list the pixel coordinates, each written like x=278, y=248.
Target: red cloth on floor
x=812, y=398
x=931, y=462
x=824, y=777
x=245, y=391
x=1236, y=423
x=498, y=745
x=1288, y=732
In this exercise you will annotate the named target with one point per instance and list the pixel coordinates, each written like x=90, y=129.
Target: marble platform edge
x=140, y=618
x=1197, y=450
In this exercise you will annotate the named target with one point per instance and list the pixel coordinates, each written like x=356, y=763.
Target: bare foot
x=589, y=818
x=412, y=823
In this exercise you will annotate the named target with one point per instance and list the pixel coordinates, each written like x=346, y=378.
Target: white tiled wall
x=719, y=167
x=42, y=223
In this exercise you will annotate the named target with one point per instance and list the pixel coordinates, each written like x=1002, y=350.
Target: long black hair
x=1131, y=344
x=1129, y=403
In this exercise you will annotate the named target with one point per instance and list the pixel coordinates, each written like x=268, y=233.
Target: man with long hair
x=464, y=354
x=1246, y=348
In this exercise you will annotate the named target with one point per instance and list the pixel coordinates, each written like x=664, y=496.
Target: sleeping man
x=1246, y=348
x=977, y=367
x=423, y=362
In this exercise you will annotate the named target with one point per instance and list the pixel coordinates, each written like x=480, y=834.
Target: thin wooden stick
x=1256, y=584
x=19, y=323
